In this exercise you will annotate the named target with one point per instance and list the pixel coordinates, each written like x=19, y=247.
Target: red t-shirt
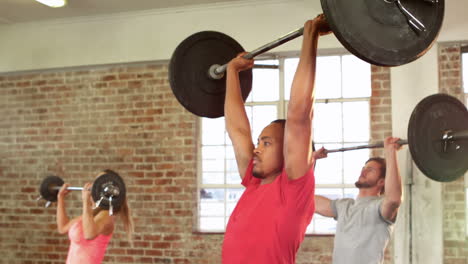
x=269, y=222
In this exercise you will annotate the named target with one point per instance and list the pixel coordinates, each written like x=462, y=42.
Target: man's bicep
x=298, y=148
x=243, y=151
x=388, y=211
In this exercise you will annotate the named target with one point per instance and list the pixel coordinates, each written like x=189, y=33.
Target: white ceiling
x=19, y=11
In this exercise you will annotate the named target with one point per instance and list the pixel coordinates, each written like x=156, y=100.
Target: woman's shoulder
x=106, y=220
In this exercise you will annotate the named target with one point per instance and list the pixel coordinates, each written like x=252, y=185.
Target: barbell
x=381, y=32
x=108, y=191
x=437, y=138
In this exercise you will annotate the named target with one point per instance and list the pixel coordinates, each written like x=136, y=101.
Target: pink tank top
x=85, y=251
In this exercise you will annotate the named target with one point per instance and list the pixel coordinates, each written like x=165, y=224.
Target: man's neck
x=269, y=179
x=366, y=192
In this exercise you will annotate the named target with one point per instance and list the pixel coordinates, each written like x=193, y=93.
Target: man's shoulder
x=343, y=202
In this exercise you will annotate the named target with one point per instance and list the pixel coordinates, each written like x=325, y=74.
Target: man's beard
x=360, y=185
x=258, y=175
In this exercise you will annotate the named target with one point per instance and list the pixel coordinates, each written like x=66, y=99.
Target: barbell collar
x=217, y=72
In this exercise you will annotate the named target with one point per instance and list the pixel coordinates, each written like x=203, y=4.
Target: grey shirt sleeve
x=333, y=207
x=338, y=206
x=379, y=209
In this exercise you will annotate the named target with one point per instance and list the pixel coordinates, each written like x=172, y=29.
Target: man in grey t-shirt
x=364, y=225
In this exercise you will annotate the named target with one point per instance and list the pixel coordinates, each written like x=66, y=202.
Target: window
x=341, y=119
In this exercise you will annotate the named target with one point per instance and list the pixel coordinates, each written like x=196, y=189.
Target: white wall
x=455, y=23
x=151, y=35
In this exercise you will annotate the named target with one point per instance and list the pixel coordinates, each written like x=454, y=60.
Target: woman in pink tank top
x=91, y=232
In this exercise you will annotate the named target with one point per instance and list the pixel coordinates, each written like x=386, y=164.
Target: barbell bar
x=374, y=145
x=70, y=188
x=108, y=190
x=217, y=71
x=437, y=138
x=446, y=138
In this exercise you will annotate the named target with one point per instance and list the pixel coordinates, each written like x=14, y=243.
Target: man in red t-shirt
x=270, y=219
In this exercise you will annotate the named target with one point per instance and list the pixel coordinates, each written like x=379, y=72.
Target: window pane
x=324, y=225
x=233, y=178
x=356, y=121
x=211, y=208
x=231, y=165
x=212, y=223
x=212, y=195
x=213, y=158
x=330, y=193
x=213, y=131
x=213, y=177
x=230, y=153
x=351, y=193
x=356, y=77
x=233, y=195
x=290, y=66
x=353, y=163
x=229, y=208
x=265, y=83
x=328, y=77
x=329, y=170
x=328, y=122
x=260, y=116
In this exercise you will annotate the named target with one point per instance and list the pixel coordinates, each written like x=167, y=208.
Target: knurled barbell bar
x=381, y=32
x=437, y=138
x=108, y=191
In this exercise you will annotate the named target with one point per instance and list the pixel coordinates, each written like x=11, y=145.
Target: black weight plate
x=378, y=32
x=46, y=188
x=188, y=72
x=107, y=179
x=433, y=116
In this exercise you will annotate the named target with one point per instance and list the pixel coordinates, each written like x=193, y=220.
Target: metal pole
x=375, y=145
x=69, y=188
x=460, y=135
x=217, y=71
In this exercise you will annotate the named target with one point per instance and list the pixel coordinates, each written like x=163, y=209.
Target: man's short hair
x=279, y=121
x=283, y=124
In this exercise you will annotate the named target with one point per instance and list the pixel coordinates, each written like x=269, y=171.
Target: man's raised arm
x=237, y=123
x=393, y=188
x=298, y=133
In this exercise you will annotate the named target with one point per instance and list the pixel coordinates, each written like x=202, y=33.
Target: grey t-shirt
x=361, y=232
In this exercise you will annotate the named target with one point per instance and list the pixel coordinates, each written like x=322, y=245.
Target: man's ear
x=381, y=183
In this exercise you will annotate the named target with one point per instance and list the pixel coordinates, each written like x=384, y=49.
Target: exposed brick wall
x=74, y=123
x=453, y=193
x=381, y=107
